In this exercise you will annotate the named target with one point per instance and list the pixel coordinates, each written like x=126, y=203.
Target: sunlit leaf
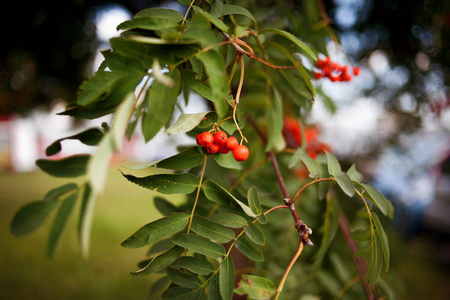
x=186, y=122
x=212, y=230
x=256, y=287
x=157, y=230
x=199, y=245
x=184, y=183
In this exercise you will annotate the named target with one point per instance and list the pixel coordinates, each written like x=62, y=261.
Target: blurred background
x=392, y=120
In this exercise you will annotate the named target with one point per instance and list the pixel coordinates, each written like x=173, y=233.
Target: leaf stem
x=197, y=195
x=288, y=269
x=309, y=184
x=187, y=12
x=236, y=100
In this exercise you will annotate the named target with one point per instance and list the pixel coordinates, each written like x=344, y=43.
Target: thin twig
x=288, y=269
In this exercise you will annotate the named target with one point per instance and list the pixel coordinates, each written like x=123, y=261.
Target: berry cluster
x=219, y=142
x=334, y=71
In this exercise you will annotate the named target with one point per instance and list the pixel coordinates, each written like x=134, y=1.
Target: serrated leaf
x=159, y=112
x=215, y=192
x=69, y=167
x=157, y=230
x=384, y=242
x=186, y=122
x=31, y=216
x=254, y=234
x=161, y=261
x=253, y=200
x=364, y=251
x=354, y=174
x=182, y=279
x=256, y=287
x=248, y=249
x=212, y=230
x=199, y=244
x=293, y=38
x=345, y=183
x=186, y=159
x=378, y=200
x=361, y=235
x=97, y=86
x=376, y=261
x=229, y=220
x=194, y=264
x=312, y=166
x=160, y=246
x=226, y=278
x=89, y=137
x=59, y=223
x=334, y=168
x=184, y=183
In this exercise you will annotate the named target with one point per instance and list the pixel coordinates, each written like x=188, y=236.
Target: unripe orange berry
x=220, y=137
x=240, y=153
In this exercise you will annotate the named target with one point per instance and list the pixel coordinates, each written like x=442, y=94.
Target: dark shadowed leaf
x=161, y=261
x=384, y=242
x=89, y=137
x=157, y=230
x=226, y=278
x=182, y=293
x=165, y=207
x=213, y=291
x=182, y=279
x=72, y=166
x=194, y=264
x=31, y=216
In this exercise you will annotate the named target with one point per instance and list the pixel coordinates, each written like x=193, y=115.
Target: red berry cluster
x=334, y=71
x=219, y=142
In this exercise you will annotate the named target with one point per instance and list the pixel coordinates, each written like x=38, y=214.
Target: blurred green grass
x=27, y=272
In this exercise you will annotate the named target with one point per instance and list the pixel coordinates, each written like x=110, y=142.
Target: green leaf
x=31, y=216
x=121, y=119
x=98, y=165
x=86, y=218
x=226, y=278
x=227, y=161
x=182, y=293
x=361, y=235
x=215, y=192
x=293, y=38
x=354, y=174
x=159, y=13
x=186, y=122
x=345, y=183
x=229, y=9
x=213, y=19
x=186, y=159
x=229, y=220
x=248, y=249
x=254, y=233
x=159, y=112
x=89, y=137
x=253, y=200
x=165, y=207
x=275, y=119
x=212, y=230
x=59, y=191
x=384, y=242
x=153, y=23
x=383, y=204
x=312, y=166
x=157, y=230
x=182, y=279
x=256, y=287
x=194, y=264
x=334, y=168
x=199, y=244
x=330, y=226
x=376, y=261
x=98, y=86
x=161, y=261
x=213, y=288
x=60, y=221
x=72, y=166
x=184, y=183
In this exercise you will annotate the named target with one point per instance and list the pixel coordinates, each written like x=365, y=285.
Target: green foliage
x=252, y=80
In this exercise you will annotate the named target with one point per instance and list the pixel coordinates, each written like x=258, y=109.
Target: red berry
x=231, y=143
x=197, y=138
x=240, y=153
x=223, y=149
x=317, y=75
x=206, y=139
x=213, y=148
x=356, y=70
x=220, y=137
